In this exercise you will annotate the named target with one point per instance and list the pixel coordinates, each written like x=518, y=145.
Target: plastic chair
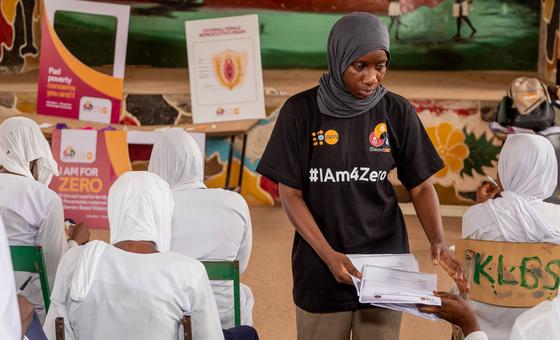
x=185, y=321
x=187, y=327
x=227, y=271
x=31, y=259
x=508, y=274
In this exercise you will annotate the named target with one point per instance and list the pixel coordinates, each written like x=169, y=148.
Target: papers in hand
x=388, y=285
x=393, y=281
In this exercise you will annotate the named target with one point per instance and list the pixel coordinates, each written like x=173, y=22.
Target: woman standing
x=331, y=151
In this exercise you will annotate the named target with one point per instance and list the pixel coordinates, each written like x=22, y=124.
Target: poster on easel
x=89, y=161
x=69, y=88
x=225, y=69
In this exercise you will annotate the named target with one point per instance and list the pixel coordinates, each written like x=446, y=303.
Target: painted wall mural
x=463, y=140
x=19, y=35
x=549, y=40
x=466, y=145
x=427, y=34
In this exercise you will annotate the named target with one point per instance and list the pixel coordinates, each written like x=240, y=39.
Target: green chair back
x=31, y=259
x=227, y=271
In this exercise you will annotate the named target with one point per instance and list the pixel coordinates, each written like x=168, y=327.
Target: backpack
x=527, y=105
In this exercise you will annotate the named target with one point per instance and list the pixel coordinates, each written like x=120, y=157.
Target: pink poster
x=89, y=162
x=69, y=88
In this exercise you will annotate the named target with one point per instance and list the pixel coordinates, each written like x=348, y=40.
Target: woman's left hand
x=442, y=255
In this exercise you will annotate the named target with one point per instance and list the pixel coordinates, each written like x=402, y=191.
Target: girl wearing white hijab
x=32, y=213
x=527, y=172
x=208, y=224
x=135, y=288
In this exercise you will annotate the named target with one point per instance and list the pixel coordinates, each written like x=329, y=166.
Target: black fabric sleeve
x=418, y=159
x=281, y=161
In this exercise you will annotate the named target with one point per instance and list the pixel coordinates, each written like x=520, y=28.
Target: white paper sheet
x=398, y=261
x=403, y=262
x=388, y=285
x=410, y=309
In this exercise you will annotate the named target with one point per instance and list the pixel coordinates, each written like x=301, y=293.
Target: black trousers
x=241, y=333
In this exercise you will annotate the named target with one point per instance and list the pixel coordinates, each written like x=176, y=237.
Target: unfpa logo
x=320, y=137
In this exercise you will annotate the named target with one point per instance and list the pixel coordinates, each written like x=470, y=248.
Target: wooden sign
x=510, y=274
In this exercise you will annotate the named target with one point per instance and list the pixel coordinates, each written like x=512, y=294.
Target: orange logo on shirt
x=321, y=137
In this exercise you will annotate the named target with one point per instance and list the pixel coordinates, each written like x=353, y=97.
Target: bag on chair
x=527, y=105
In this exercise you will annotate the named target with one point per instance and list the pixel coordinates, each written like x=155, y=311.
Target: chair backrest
x=31, y=259
x=510, y=274
x=187, y=328
x=227, y=271
x=59, y=328
x=185, y=321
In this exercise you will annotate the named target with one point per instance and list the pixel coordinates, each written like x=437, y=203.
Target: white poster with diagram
x=225, y=69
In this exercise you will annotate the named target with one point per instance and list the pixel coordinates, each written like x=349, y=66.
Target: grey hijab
x=351, y=37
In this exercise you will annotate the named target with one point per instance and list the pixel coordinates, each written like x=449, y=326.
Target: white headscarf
x=528, y=173
x=21, y=141
x=177, y=159
x=140, y=209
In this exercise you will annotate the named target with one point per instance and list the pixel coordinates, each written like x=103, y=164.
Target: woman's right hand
x=486, y=191
x=341, y=267
x=455, y=310
x=79, y=233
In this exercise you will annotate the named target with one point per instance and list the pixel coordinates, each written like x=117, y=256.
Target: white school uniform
x=539, y=322
x=135, y=297
x=33, y=215
x=10, y=324
x=477, y=336
x=103, y=292
x=214, y=224
x=208, y=224
x=528, y=173
x=31, y=212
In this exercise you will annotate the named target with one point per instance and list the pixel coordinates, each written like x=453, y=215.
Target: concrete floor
x=269, y=276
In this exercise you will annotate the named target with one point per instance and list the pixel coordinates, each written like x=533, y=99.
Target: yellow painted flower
x=450, y=145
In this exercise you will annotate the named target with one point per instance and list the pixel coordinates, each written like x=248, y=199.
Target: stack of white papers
x=393, y=281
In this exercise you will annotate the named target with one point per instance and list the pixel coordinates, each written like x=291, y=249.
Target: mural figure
x=461, y=12
x=16, y=37
x=550, y=11
x=394, y=13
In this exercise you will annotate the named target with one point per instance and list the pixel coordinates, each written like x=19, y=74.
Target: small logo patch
x=379, y=139
x=321, y=137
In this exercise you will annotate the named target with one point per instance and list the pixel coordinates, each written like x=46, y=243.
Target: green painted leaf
x=481, y=153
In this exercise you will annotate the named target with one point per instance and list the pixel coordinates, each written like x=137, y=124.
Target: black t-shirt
x=341, y=167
